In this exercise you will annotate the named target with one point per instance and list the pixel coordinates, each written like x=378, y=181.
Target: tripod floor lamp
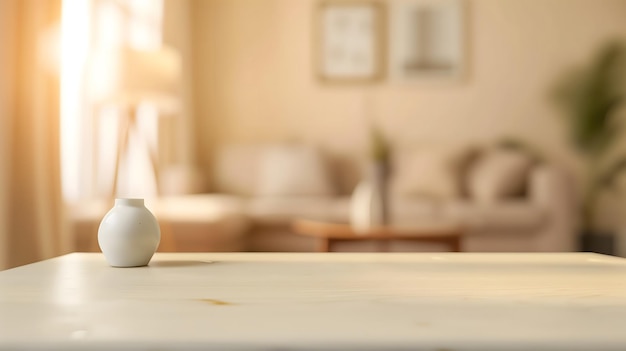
x=127, y=78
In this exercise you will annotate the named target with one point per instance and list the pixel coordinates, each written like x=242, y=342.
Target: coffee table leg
x=455, y=244
x=323, y=245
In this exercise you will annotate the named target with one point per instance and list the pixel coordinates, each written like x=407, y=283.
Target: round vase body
x=129, y=234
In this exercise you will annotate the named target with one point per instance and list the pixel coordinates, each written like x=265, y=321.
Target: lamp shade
x=129, y=76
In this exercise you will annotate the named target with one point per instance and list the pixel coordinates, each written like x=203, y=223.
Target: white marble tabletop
x=256, y=301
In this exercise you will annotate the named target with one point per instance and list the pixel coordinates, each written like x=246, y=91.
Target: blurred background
x=189, y=103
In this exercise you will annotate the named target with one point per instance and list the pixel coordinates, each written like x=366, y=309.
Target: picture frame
x=350, y=41
x=427, y=40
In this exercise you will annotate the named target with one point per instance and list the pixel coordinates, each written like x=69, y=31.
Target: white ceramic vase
x=129, y=234
x=368, y=205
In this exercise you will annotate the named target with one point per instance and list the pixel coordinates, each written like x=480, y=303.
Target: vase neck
x=129, y=202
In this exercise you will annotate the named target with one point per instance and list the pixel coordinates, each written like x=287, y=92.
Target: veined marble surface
x=263, y=301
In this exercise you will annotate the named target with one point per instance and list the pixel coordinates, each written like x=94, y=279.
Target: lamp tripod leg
x=122, y=146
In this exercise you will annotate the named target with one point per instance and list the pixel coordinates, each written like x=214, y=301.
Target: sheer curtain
x=31, y=208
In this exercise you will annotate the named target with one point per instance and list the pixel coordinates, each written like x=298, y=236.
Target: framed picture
x=350, y=39
x=426, y=40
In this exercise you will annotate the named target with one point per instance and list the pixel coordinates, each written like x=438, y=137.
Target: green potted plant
x=590, y=98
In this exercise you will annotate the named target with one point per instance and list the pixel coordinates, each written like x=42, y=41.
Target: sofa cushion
x=412, y=211
x=281, y=210
x=197, y=207
x=498, y=174
x=433, y=172
x=511, y=215
x=236, y=169
x=293, y=170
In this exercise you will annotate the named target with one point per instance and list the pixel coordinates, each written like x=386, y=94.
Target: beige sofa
x=260, y=190
x=540, y=220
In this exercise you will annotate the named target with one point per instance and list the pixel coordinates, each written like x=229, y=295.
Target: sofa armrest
x=552, y=189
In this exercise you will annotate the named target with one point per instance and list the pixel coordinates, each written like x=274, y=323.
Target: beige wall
x=178, y=139
x=254, y=76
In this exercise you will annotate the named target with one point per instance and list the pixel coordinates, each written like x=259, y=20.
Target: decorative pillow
x=498, y=174
x=236, y=169
x=293, y=170
x=431, y=172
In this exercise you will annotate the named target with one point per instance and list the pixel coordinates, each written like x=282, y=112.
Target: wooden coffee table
x=327, y=233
